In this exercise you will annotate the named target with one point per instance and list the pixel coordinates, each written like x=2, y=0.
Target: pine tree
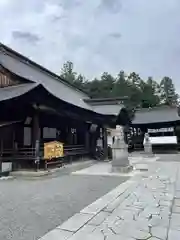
x=168, y=93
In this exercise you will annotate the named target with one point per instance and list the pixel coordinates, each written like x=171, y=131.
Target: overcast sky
x=96, y=35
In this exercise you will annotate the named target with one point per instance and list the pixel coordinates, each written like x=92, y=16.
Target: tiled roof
x=162, y=114
x=108, y=109
x=27, y=69
x=33, y=72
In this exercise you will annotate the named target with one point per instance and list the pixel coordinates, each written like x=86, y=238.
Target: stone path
x=105, y=168
x=145, y=207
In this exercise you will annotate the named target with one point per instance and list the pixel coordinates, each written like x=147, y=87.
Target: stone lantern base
x=148, y=149
x=122, y=169
x=120, y=161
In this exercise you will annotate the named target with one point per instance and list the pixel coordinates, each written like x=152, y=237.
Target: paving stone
x=84, y=231
x=137, y=234
x=105, y=229
x=177, y=194
x=121, y=227
x=125, y=214
x=141, y=224
x=132, y=209
x=155, y=221
x=98, y=219
x=178, y=186
x=110, y=220
x=57, y=234
x=175, y=221
x=177, y=202
x=118, y=237
x=153, y=238
x=140, y=205
x=173, y=234
x=111, y=206
x=159, y=232
x=131, y=229
x=166, y=203
x=76, y=222
x=165, y=214
x=153, y=210
x=164, y=222
x=88, y=236
x=176, y=209
x=169, y=197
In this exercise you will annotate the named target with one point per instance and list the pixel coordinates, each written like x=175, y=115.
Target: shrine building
x=38, y=107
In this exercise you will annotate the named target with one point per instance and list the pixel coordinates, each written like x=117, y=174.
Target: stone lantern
x=120, y=161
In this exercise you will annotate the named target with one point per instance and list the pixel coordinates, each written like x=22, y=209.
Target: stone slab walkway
x=145, y=207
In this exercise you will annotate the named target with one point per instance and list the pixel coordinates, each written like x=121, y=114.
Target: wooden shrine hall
x=38, y=107
x=162, y=123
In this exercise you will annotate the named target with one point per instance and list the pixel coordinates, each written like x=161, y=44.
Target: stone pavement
x=145, y=207
x=105, y=168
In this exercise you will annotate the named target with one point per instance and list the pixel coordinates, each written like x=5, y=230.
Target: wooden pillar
x=105, y=143
x=36, y=138
x=1, y=153
x=93, y=133
x=70, y=136
x=36, y=128
x=87, y=139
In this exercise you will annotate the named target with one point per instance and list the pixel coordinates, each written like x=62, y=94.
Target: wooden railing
x=72, y=150
x=28, y=154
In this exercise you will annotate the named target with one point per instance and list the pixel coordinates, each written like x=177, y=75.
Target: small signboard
x=53, y=149
x=161, y=130
x=165, y=140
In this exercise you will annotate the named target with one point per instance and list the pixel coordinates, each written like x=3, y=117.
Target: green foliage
x=168, y=93
x=141, y=93
x=67, y=72
x=150, y=90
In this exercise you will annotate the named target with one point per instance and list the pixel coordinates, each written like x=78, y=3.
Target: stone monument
x=120, y=161
x=147, y=145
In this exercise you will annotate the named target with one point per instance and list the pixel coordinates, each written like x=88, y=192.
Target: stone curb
x=37, y=174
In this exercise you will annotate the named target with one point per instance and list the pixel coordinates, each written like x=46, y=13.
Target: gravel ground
x=30, y=208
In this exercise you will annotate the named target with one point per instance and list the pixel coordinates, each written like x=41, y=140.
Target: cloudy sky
x=97, y=35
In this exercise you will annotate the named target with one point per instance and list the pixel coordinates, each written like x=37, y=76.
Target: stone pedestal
x=120, y=161
x=147, y=146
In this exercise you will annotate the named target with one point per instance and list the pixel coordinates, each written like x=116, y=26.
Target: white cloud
x=97, y=35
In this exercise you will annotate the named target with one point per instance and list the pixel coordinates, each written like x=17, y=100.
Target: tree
x=120, y=88
x=148, y=91
x=67, y=72
x=79, y=81
x=107, y=83
x=135, y=84
x=93, y=88
x=135, y=79
x=168, y=92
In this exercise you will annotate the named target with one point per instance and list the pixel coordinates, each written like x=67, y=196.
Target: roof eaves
x=11, y=92
x=102, y=100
